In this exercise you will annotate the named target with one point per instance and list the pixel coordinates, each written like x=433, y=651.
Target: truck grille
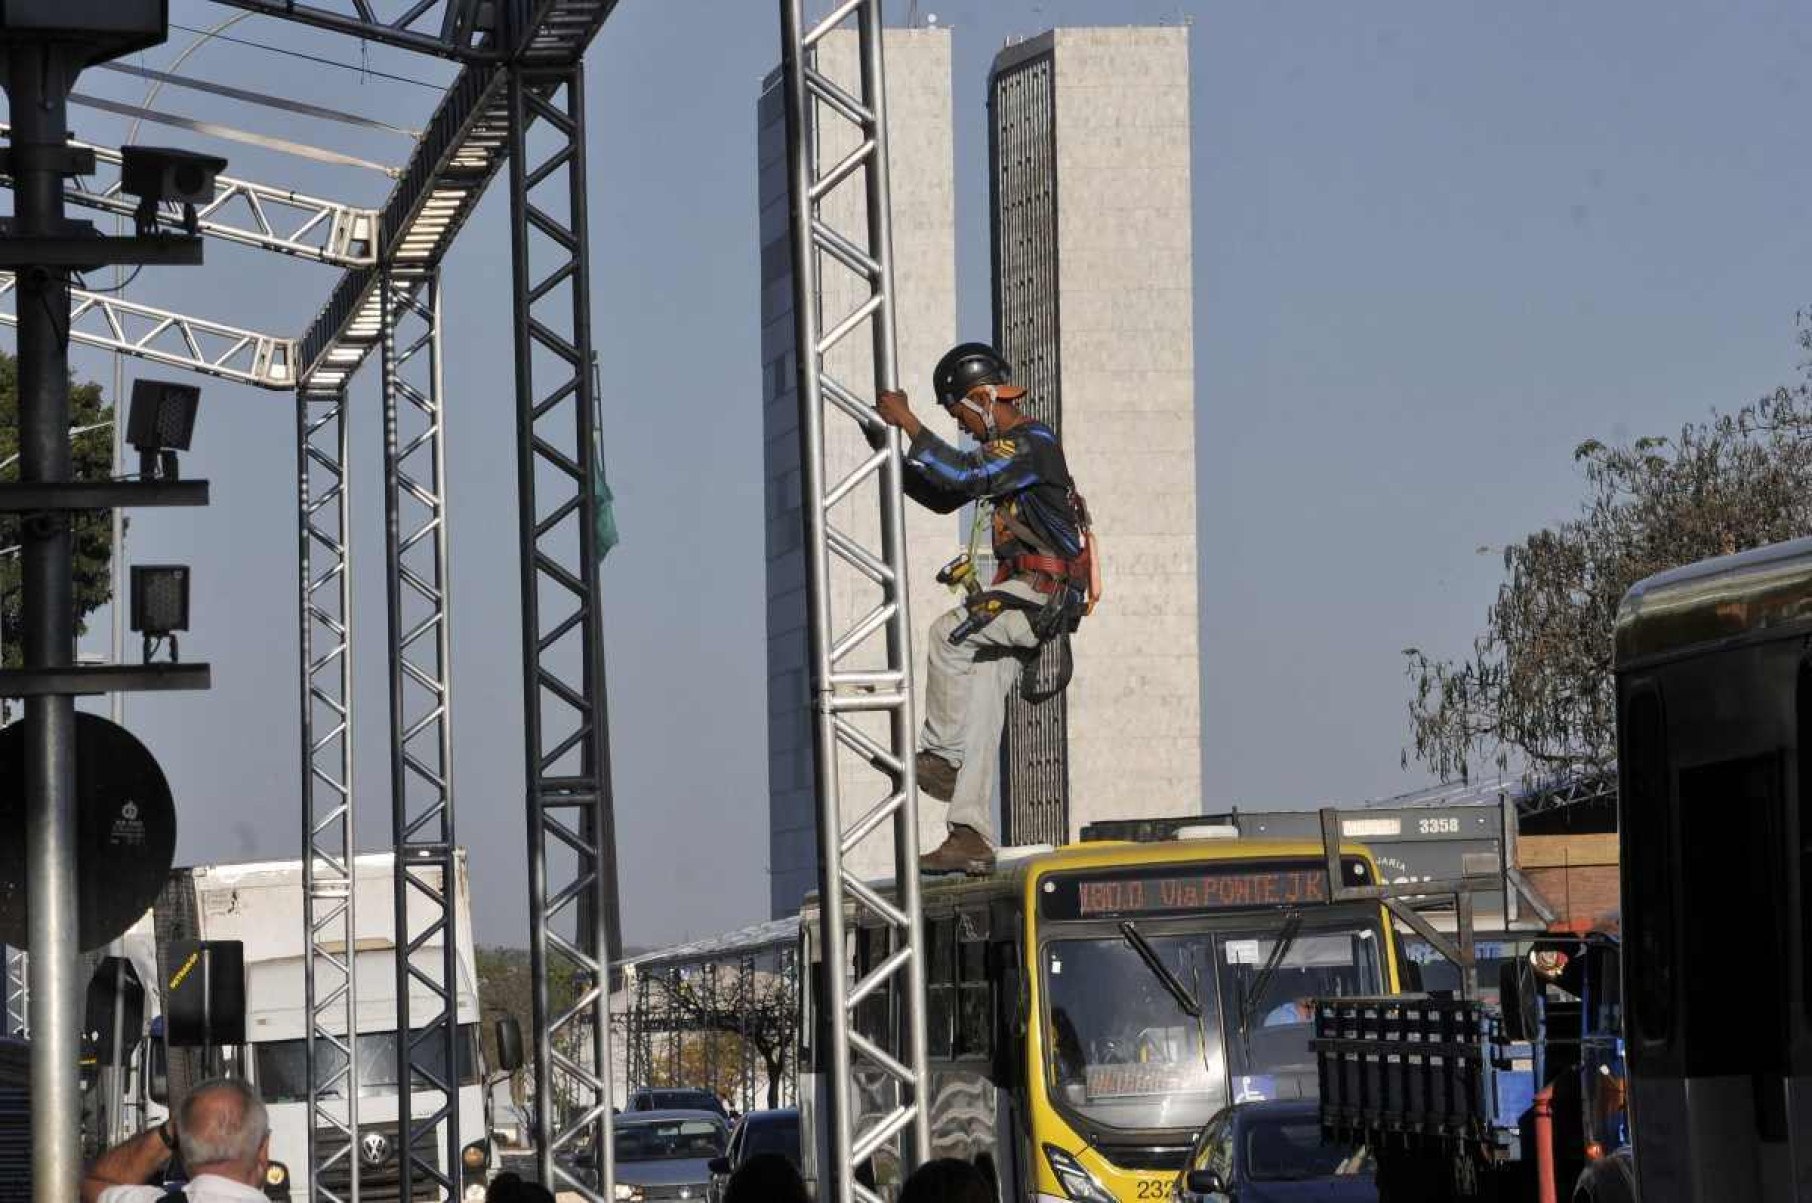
x=383, y=1182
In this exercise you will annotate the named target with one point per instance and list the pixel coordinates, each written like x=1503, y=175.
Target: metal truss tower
x=421, y=744
x=328, y=835
x=15, y=993
x=573, y=922
x=867, y=711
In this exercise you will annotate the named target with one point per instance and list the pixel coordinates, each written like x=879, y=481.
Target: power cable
x=232, y=134
x=251, y=96
x=312, y=58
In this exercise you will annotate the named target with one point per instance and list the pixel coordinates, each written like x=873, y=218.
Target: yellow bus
x=1091, y=1007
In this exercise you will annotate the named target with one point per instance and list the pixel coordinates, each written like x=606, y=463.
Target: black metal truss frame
x=520, y=67
x=573, y=921
x=328, y=835
x=421, y=743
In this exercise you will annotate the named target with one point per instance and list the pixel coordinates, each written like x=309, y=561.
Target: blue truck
x=1459, y=1099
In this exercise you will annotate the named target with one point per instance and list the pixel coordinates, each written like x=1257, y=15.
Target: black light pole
x=38, y=79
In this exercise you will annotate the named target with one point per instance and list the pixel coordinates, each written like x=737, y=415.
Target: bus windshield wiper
x=1249, y=1005
x=1160, y=970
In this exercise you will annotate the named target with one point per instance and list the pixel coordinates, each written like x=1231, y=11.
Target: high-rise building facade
x=921, y=173
x=1093, y=304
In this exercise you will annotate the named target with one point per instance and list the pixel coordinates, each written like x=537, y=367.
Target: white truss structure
x=161, y=336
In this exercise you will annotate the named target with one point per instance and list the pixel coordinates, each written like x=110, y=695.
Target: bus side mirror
x=508, y=1034
x=157, y=1070
x=1204, y=1182
x=1516, y=998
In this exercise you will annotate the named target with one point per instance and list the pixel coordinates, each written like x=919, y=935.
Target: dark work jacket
x=1022, y=471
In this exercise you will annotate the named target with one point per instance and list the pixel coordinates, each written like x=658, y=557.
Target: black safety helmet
x=966, y=365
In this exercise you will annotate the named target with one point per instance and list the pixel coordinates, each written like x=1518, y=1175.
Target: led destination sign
x=1175, y=889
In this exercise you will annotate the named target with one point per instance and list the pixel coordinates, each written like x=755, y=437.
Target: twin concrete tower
x=1092, y=300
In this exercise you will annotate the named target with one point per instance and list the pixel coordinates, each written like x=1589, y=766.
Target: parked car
x=666, y=1154
x=756, y=1133
x=677, y=1098
x=1272, y=1152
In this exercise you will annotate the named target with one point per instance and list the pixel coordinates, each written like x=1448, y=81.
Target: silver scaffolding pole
x=847, y=118
x=573, y=915
x=329, y=839
x=421, y=734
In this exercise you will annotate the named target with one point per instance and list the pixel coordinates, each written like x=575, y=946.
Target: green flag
x=604, y=512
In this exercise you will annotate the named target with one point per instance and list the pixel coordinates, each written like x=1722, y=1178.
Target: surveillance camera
x=159, y=173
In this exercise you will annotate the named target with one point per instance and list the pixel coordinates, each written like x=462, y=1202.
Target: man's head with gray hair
x=222, y=1130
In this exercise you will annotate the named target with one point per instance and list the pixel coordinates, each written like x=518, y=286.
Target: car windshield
x=681, y=1100
x=1124, y=1054
x=664, y=1139
x=1286, y=1150
x=282, y=1065
x=781, y=1136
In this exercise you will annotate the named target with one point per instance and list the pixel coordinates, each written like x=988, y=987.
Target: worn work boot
x=964, y=850
x=937, y=776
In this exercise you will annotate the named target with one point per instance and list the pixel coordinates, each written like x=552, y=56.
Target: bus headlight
x=1077, y=1182
x=276, y=1181
x=628, y=1194
x=475, y=1156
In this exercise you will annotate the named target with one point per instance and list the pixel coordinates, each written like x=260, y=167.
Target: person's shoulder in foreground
x=766, y=1178
x=946, y=1180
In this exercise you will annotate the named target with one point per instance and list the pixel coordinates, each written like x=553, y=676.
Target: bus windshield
x=1124, y=1052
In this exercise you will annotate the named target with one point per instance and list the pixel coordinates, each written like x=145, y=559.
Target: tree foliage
x=1536, y=694
x=506, y=986
x=92, y=460
x=764, y=1016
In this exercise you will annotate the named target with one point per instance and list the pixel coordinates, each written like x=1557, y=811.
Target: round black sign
x=125, y=831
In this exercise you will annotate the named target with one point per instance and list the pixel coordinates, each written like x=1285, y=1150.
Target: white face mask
x=986, y=412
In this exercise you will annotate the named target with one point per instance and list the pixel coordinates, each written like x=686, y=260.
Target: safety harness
x=1070, y=587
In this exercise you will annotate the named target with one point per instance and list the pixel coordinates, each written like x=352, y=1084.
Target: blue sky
x=1436, y=247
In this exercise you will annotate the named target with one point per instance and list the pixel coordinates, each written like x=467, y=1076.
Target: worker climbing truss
x=517, y=102
x=861, y=661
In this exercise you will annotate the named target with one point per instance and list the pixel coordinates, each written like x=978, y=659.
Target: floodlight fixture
x=160, y=423
x=160, y=604
x=163, y=174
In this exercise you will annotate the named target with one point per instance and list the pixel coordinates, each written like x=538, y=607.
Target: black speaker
x=204, y=1000
x=114, y=980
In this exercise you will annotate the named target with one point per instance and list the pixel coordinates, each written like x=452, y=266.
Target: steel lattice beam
x=861, y=694
x=252, y=214
x=328, y=831
x=573, y=926
x=421, y=733
x=459, y=29
x=460, y=151
x=15, y=984
x=159, y=335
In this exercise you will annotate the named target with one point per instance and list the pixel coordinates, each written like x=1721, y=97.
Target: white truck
x=260, y=905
